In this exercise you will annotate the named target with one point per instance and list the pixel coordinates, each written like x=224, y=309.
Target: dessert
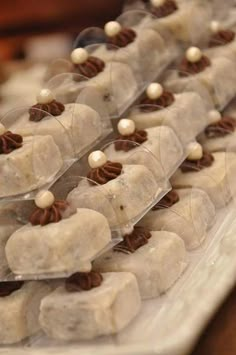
x=131, y=144
x=90, y=305
x=115, y=81
x=19, y=306
x=73, y=127
x=209, y=172
x=198, y=73
x=53, y=244
x=186, y=212
x=24, y=165
x=185, y=113
x=131, y=45
x=220, y=133
x=119, y=192
x=187, y=21
x=157, y=259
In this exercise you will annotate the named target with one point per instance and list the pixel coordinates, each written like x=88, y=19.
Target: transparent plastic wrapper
x=161, y=151
x=230, y=162
x=27, y=167
x=214, y=84
x=48, y=247
x=186, y=116
x=221, y=10
x=188, y=22
x=218, y=46
x=116, y=85
x=210, y=174
x=132, y=189
x=163, y=251
x=187, y=212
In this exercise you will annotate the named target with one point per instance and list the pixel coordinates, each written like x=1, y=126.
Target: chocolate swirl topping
x=164, y=10
x=54, y=108
x=133, y=241
x=221, y=38
x=122, y=39
x=92, y=67
x=10, y=141
x=126, y=143
x=109, y=171
x=187, y=67
x=7, y=288
x=165, y=100
x=167, y=201
x=43, y=216
x=196, y=165
x=220, y=129
x=83, y=281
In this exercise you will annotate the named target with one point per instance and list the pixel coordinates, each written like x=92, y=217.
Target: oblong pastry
x=19, y=306
x=212, y=173
x=24, y=165
x=198, y=73
x=115, y=81
x=130, y=189
x=186, y=212
x=185, y=112
x=51, y=244
x=156, y=263
x=73, y=127
x=90, y=305
x=160, y=141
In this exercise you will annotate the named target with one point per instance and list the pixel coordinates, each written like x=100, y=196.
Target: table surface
x=219, y=338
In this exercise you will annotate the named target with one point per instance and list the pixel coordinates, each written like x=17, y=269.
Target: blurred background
x=45, y=29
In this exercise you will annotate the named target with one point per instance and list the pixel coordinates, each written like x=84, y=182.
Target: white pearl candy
x=157, y=3
x=2, y=129
x=154, y=91
x=45, y=96
x=214, y=116
x=126, y=127
x=195, y=151
x=97, y=159
x=193, y=54
x=79, y=56
x=215, y=26
x=112, y=28
x=44, y=199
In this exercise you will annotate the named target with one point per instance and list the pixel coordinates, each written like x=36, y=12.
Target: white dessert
x=216, y=180
x=29, y=167
x=20, y=311
x=121, y=199
x=144, y=66
x=156, y=265
x=63, y=247
x=186, y=116
x=217, y=144
x=87, y=314
x=161, y=142
x=190, y=217
x=218, y=80
x=189, y=23
x=73, y=131
x=116, y=83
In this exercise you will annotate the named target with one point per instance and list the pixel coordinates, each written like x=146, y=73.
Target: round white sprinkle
x=45, y=96
x=2, y=129
x=154, y=91
x=157, y=3
x=79, y=56
x=215, y=26
x=214, y=116
x=193, y=54
x=195, y=151
x=44, y=199
x=97, y=159
x=126, y=127
x=112, y=28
